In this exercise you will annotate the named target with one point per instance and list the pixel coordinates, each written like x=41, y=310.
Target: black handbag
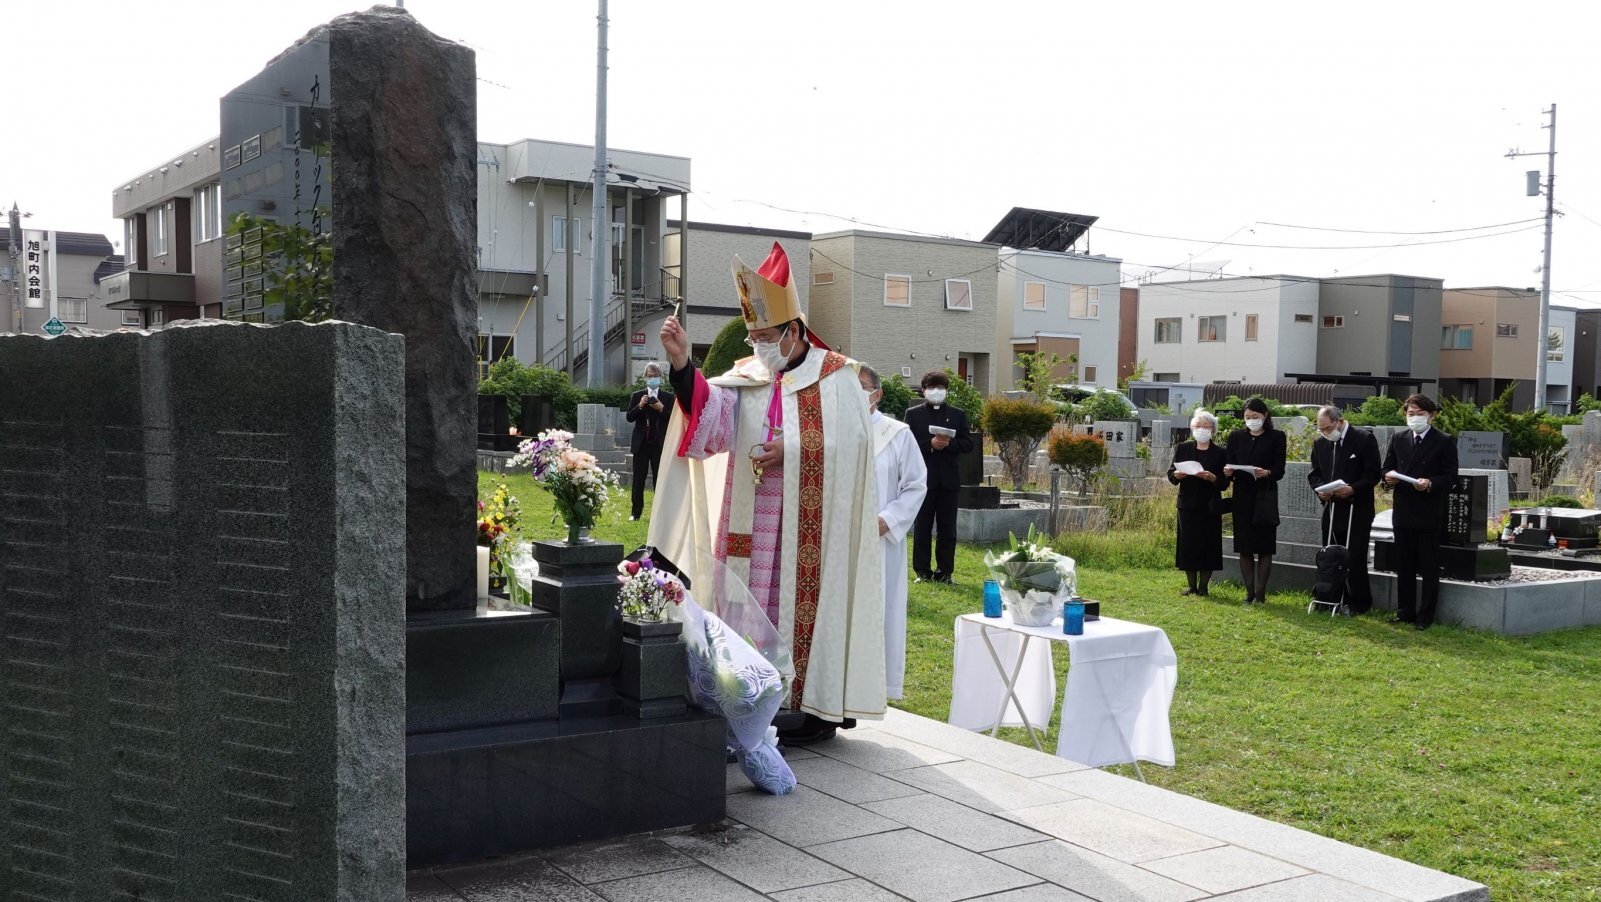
x=1266, y=511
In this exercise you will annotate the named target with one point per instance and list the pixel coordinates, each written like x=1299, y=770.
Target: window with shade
x=958, y=294
x=1086, y=302
x=1456, y=338
x=1033, y=295
x=162, y=223
x=208, y=213
x=1169, y=330
x=1211, y=328
x=897, y=291
x=1250, y=326
x=73, y=310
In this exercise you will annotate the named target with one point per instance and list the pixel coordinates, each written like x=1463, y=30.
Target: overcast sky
x=1179, y=124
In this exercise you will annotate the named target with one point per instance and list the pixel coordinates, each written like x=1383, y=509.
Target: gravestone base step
x=1477, y=563
x=474, y=794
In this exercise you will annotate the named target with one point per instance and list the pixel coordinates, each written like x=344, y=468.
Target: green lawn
x=1472, y=753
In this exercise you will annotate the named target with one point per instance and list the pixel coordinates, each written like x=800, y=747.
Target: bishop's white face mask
x=1202, y=435
x=935, y=396
x=1254, y=424
x=771, y=355
x=1417, y=424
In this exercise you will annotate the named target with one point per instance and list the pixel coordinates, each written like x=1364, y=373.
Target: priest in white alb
x=902, y=483
x=768, y=468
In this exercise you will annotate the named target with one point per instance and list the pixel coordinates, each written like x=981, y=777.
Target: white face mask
x=1254, y=425
x=1202, y=435
x=771, y=355
x=1328, y=433
x=1417, y=424
x=935, y=396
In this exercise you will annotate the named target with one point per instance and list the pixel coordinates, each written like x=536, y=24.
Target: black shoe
x=1249, y=599
x=941, y=578
x=848, y=723
x=815, y=729
x=1399, y=619
x=1420, y=625
x=924, y=578
x=1189, y=591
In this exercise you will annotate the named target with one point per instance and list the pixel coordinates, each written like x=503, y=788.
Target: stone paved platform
x=911, y=808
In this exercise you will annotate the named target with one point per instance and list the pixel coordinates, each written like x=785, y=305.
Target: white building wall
x=1559, y=373
x=1283, y=345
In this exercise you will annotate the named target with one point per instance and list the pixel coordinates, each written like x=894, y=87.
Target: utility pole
x=1542, y=344
x=16, y=274
x=602, y=216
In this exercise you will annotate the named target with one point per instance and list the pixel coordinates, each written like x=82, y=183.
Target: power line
x=1306, y=247
x=1499, y=225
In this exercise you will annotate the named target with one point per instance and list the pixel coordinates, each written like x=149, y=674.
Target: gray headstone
x=1591, y=424
x=1161, y=435
x=1120, y=436
x=1293, y=425
x=203, y=586
x=1296, y=498
x=1574, y=435
x=1481, y=450
x=590, y=419
x=1384, y=434
x=1520, y=472
x=1499, y=498
x=392, y=117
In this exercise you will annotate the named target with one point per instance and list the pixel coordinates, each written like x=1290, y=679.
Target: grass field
x=1469, y=752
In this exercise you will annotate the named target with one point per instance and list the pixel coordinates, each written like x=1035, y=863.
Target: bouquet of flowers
x=497, y=517
x=647, y=592
x=1034, y=580
x=574, y=480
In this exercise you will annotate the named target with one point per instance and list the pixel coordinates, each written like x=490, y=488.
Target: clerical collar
x=935, y=406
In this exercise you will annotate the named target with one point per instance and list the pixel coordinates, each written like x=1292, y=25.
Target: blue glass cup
x=1073, y=618
x=992, y=598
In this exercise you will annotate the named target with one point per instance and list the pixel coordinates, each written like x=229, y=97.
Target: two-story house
x=1489, y=341
x=58, y=275
x=172, y=241
x=1252, y=329
x=1053, y=300
x=907, y=304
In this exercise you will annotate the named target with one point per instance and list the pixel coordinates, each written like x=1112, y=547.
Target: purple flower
x=645, y=563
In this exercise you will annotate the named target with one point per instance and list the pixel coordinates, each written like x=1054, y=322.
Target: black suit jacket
x=1196, y=494
x=1355, y=459
x=650, y=426
x=1433, y=459
x=944, y=467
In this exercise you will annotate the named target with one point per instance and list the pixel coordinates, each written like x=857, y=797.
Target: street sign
x=54, y=327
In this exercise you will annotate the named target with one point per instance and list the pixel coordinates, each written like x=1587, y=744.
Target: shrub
x=967, y=399
x=1556, y=501
x=897, y=397
x=727, y=348
x=1017, y=426
x=1080, y=456
x=1105, y=405
x=510, y=378
x=1379, y=410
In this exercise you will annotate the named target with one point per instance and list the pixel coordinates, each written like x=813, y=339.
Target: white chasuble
x=830, y=575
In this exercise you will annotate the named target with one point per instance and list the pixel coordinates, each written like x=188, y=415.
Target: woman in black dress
x=1260, y=448
x=1200, y=535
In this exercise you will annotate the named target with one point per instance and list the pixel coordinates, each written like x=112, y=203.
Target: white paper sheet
x=1188, y=467
x=1241, y=469
x=1328, y=487
x=1403, y=477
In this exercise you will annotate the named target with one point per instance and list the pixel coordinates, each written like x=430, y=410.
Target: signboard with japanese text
x=33, y=268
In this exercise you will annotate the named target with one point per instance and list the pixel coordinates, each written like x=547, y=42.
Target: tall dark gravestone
x=201, y=586
x=366, y=129
x=518, y=731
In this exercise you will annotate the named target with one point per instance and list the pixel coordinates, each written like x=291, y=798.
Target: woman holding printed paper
x=1197, y=470
x=1256, y=464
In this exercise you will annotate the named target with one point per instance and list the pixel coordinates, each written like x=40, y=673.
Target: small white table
x=1119, y=686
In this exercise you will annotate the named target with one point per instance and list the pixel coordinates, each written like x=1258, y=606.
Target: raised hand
x=675, y=342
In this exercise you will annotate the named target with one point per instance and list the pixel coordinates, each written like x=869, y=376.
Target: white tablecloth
x=1119, y=686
